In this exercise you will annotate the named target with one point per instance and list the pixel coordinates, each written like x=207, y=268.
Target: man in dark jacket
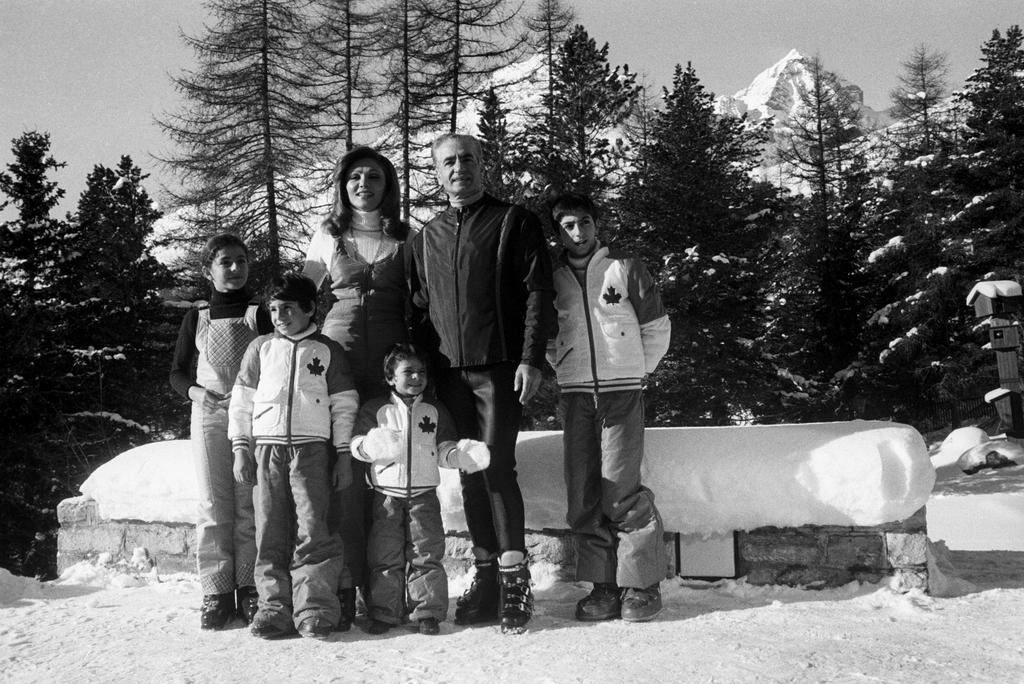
x=483, y=300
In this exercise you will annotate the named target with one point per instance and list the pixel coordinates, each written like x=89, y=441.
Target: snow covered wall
x=706, y=480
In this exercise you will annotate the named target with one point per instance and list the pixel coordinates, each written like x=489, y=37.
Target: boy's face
x=410, y=377
x=229, y=270
x=579, y=233
x=288, y=317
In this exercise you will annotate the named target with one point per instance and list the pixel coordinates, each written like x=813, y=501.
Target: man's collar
x=460, y=203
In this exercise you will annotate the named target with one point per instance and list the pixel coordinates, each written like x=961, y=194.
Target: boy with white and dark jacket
x=406, y=437
x=612, y=332
x=293, y=394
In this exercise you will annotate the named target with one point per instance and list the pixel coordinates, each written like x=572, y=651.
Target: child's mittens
x=383, y=446
x=472, y=455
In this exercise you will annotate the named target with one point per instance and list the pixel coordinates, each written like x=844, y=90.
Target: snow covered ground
x=101, y=623
x=104, y=625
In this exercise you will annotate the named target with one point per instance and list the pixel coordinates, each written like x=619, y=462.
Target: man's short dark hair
x=294, y=287
x=573, y=203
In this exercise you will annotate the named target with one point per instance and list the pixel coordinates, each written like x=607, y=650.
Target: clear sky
x=94, y=73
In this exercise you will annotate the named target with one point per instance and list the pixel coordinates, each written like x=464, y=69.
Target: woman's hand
x=207, y=398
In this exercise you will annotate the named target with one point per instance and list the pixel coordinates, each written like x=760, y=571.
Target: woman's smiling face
x=365, y=184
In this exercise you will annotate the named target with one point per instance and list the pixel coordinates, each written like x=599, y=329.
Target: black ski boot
x=480, y=602
x=516, y=597
x=217, y=610
x=248, y=602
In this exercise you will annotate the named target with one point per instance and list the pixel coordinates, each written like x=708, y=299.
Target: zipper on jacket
x=291, y=389
x=455, y=262
x=590, y=325
x=408, y=452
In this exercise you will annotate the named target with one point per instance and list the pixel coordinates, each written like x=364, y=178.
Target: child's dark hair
x=403, y=351
x=573, y=203
x=219, y=242
x=294, y=287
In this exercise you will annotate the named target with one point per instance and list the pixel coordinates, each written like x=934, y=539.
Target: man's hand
x=244, y=468
x=527, y=382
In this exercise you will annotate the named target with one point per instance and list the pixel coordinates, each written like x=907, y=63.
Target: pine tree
x=548, y=28
x=118, y=331
x=917, y=100
x=817, y=292
x=691, y=210
x=342, y=51
x=506, y=154
x=250, y=136
x=34, y=375
x=29, y=242
x=77, y=345
x=474, y=39
x=589, y=100
x=413, y=77
x=948, y=222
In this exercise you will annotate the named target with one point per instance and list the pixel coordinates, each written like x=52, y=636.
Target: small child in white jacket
x=406, y=437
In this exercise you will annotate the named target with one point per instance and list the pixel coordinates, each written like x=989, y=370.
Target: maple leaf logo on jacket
x=427, y=425
x=315, y=367
x=611, y=296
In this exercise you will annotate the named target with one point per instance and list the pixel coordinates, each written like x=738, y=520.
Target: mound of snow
x=154, y=483
x=14, y=588
x=715, y=480
x=707, y=480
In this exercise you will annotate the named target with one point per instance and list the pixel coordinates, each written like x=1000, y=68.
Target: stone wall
x=818, y=556
x=812, y=556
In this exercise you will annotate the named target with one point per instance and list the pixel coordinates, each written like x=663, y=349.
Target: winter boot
x=267, y=625
x=603, y=603
x=248, y=602
x=516, y=597
x=378, y=627
x=217, y=610
x=347, y=598
x=315, y=627
x=429, y=626
x=480, y=602
x=641, y=605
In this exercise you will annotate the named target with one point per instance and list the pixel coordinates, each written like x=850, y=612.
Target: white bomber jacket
x=611, y=333
x=429, y=435
x=293, y=391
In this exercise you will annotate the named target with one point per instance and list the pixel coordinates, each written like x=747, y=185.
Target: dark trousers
x=485, y=407
x=405, y=552
x=618, y=530
x=298, y=559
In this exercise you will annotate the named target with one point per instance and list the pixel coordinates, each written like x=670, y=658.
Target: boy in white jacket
x=292, y=395
x=405, y=437
x=612, y=332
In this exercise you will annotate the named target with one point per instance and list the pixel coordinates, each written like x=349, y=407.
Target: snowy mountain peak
x=774, y=92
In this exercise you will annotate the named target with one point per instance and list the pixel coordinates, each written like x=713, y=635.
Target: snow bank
x=154, y=482
x=719, y=479
x=706, y=480
x=14, y=588
x=982, y=511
